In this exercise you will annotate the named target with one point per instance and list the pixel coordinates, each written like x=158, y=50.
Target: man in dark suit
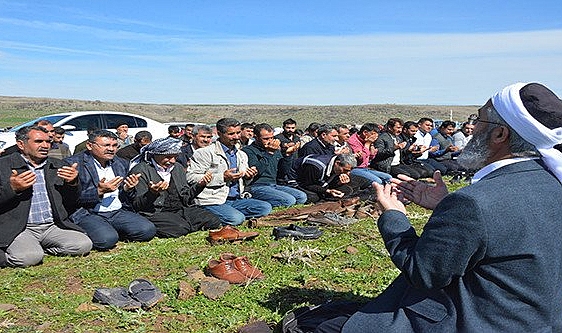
x=105, y=211
x=489, y=258
x=35, y=193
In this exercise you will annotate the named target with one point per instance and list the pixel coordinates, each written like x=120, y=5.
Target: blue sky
x=278, y=52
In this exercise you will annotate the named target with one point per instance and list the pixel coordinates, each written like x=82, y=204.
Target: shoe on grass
x=297, y=232
x=145, y=292
x=118, y=297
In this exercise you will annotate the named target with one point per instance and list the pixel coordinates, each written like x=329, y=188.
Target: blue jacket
x=89, y=179
x=489, y=260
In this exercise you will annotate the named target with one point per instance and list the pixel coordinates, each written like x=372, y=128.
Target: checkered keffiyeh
x=163, y=146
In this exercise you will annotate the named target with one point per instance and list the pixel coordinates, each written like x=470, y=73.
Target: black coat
x=14, y=207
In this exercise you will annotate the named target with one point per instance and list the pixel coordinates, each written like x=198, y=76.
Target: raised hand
x=131, y=181
x=207, y=177
x=421, y=193
x=22, y=181
x=109, y=186
x=68, y=173
x=232, y=175
x=250, y=172
x=335, y=193
x=388, y=198
x=158, y=187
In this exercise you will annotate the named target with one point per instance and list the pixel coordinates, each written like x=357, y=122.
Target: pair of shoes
x=297, y=232
x=140, y=294
x=329, y=218
x=235, y=270
x=231, y=234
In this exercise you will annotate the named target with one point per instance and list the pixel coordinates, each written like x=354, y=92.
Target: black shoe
x=118, y=297
x=297, y=232
x=145, y=292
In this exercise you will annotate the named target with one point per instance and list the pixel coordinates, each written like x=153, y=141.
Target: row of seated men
x=95, y=198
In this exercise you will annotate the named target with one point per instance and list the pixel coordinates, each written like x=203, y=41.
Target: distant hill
x=15, y=110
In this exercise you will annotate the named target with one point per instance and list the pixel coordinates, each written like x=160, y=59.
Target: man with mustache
x=105, y=210
x=489, y=258
x=163, y=194
x=225, y=195
x=36, y=192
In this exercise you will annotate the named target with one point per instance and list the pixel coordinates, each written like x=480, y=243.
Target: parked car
x=77, y=123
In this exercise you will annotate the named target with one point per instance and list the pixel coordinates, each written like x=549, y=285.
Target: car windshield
x=52, y=119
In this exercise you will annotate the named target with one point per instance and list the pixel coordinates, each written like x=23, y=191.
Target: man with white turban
x=163, y=194
x=489, y=258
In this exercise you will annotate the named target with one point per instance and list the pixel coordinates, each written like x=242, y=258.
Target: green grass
x=47, y=297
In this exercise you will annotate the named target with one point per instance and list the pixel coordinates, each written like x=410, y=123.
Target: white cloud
x=359, y=69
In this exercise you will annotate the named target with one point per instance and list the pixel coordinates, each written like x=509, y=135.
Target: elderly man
x=163, y=195
x=202, y=136
x=489, y=258
x=105, y=211
x=224, y=195
x=327, y=177
x=35, y=193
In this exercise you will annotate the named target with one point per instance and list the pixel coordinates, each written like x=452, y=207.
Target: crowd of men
x=135, y=188
x=119, y=187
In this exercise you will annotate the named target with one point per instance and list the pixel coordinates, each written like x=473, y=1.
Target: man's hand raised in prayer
x=421, y=193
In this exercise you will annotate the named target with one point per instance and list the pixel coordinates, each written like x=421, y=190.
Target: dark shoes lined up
x=140, y=294
x=234, y=269
x=297, y=232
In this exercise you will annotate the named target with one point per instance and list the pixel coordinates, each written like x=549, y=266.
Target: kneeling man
x=163, y=194
x=35, y=193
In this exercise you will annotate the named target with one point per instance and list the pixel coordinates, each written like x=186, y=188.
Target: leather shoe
x=242, y=264
x=225, y=270
x=297, y=232
x=231, y=234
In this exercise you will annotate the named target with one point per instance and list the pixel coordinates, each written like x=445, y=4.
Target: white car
x=77, y=123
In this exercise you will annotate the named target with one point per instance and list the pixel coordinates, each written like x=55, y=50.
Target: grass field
x=15, y=110
x=56, y=296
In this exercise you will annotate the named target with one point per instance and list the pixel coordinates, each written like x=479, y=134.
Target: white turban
x=510, y=107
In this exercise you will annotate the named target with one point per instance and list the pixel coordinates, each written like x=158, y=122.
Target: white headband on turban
x=510, y=107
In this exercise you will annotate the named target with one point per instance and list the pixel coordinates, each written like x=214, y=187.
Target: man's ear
x=500, y=135
x=19, y=143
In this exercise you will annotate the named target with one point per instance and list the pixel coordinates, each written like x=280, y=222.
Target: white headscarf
x=510, y=107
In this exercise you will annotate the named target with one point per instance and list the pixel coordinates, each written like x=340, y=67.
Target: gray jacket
x=488, y=260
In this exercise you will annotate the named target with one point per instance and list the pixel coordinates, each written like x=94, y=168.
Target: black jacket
x=14, y=207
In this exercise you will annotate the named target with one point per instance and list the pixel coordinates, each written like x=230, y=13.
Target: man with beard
x=290, y=144
x=264, y=154
x=489, y=258
x=163, y=195
x=225, y=194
